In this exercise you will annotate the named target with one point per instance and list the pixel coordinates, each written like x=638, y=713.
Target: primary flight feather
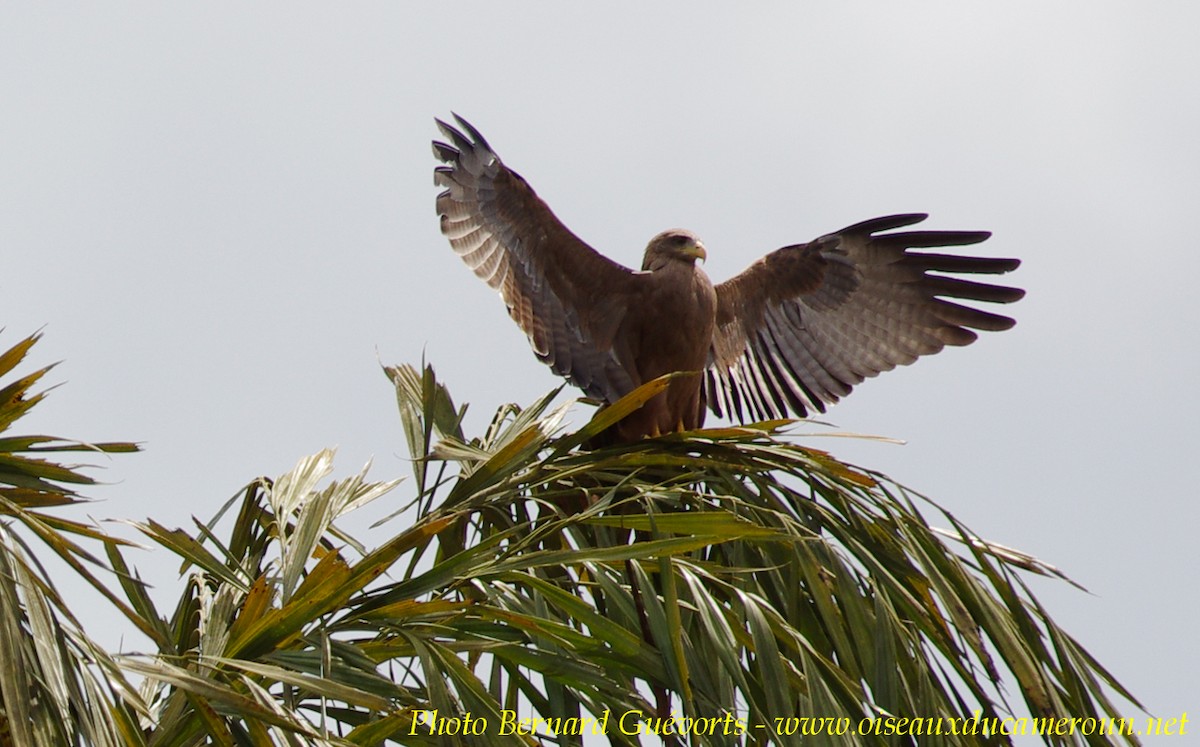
x=793, y=332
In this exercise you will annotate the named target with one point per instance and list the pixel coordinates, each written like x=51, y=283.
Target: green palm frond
x=729, y=576
x=28, y=479
x=56, y=685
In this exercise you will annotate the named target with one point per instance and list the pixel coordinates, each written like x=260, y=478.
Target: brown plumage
x=792, y=333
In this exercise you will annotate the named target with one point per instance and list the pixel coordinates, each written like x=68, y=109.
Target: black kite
x=794, y=331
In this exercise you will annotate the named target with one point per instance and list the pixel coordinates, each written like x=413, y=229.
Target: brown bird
x=793, y=332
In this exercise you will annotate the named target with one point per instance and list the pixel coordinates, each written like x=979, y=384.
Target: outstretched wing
x=804, y=324
x=567, y=298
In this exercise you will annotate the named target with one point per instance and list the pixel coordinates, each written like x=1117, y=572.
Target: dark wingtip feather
x=445, y=152
x=886, y=223
x=958, y=263
x=456, y=137
x=926, y=239
x=965, y=316
x=446, y=129
x=468, y=142
x=940, y=285
x=474, y=133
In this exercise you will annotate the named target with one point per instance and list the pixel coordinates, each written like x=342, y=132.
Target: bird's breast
x=676, y=317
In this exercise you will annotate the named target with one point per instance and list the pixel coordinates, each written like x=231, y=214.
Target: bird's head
x=676, y=245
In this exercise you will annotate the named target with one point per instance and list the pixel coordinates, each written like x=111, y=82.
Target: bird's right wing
x=567, y=297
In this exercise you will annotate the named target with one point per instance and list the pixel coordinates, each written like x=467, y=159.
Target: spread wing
x=804, y=324
x=567, y=298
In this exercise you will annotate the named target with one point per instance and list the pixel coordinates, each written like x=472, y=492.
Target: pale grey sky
x=223, y=214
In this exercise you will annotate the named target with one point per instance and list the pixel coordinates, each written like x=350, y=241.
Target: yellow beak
x=696, y=250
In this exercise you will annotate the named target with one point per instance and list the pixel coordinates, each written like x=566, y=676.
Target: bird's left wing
x=804, y=324
x=567, y=297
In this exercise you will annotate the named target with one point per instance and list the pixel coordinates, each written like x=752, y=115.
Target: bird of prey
x=792, y=333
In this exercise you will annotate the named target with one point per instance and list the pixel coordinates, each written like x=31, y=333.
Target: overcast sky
x=223, y=218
